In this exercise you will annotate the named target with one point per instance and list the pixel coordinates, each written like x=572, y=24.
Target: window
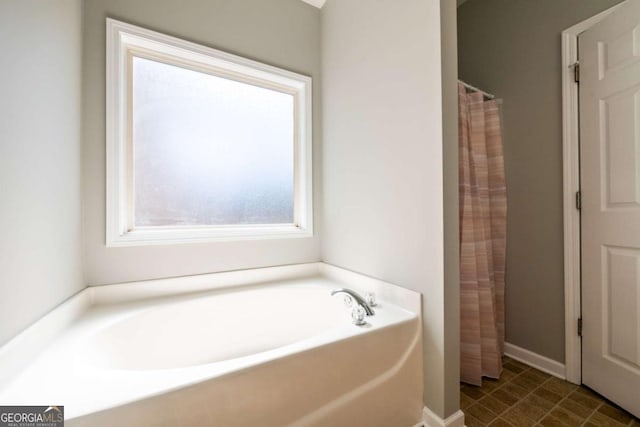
x=201, y=144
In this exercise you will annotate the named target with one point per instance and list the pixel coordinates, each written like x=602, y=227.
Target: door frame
x=571, y=185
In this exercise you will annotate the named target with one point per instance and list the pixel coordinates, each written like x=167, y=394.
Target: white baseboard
x=430, y=419
x=535, y=360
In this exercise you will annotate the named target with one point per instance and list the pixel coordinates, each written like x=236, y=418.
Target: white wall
x=382, y=165
x=284, y=33
x=449, y=43
x=383, y=157
x=40, y=70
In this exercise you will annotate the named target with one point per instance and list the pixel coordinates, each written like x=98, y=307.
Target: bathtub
x=265, y=347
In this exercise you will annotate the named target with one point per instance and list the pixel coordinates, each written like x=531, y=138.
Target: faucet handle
x=358, y=314
x=370, y=298
x=348, y=300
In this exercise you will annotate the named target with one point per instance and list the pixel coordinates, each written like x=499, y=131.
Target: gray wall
x=40, y=254
x=284, y=33
x=383, y=153
x=512, y=49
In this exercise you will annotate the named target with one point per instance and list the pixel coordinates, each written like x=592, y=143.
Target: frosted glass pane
x=209, y=150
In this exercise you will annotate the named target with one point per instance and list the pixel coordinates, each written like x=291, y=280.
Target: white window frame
x=125, y=41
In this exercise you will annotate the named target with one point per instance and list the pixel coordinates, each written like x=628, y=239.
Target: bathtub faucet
x=353, y=294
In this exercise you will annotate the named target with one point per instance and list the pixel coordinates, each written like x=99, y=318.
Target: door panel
x=618, y=117
x=610, y=181
x=620, y=297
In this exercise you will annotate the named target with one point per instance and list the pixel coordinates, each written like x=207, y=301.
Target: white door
x=610, y=180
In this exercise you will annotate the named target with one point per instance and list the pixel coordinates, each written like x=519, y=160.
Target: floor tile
x=516, y=390
x=566, y=417
x=496, y=406
x=586, y=392
x=531, y=411
x=576, y=408
x=488, y=385
x=506, y=376
x=616, y=413
x=473, y=392
x=470, y=421
x=525, y=382
x=518, y=418
x=499, y=422
x=514, y=362
x=558, y=386
x=504, y=397
x=584, y=400
x=548, y=395
x=513, y=368
x=601, y=420
x=481, y=413
x=539, y=402
x=550, y=421
x=535, y=376
x=465, y=401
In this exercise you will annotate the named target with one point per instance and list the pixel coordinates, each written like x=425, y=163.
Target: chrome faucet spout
x=353, y=294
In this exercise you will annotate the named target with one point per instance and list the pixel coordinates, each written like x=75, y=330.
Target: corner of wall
x=449, y=52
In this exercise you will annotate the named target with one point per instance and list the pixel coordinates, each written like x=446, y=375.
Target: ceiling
x=320, y=3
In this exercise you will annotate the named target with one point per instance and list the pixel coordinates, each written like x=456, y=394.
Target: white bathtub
x=224, y=350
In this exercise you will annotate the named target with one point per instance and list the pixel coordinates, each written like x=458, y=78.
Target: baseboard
x=535, y=360
x=430, y=419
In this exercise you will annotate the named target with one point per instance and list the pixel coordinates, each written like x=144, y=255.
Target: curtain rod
x=475, y=89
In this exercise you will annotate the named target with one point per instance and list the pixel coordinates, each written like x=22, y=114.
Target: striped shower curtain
x=483, y=209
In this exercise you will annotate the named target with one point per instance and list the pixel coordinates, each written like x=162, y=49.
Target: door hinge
x=578, y=200
x=576, y=72
x=580, y=326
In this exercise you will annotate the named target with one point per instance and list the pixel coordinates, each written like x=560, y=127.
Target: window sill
x=180, y=235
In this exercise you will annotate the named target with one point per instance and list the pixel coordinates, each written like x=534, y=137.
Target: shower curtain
x=483, y=208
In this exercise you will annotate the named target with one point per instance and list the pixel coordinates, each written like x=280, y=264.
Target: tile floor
x=525, y=397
